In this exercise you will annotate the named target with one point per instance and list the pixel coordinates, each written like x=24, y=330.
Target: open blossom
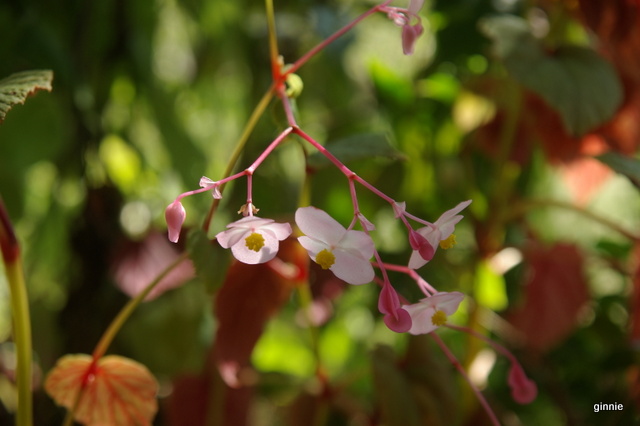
x=432, y=312
x=174, y=214
x=254, y=240
x=345, y=252
x=437, y=234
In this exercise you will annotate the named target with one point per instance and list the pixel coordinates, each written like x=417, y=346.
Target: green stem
x=242, y=141
x=273, y=41
x=22, y=338
x=129, y=308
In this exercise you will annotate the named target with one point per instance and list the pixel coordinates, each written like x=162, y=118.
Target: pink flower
x=254, y=240
x=523, y=389
x=437, y=234
x=396, y=317
x=174, y=214
x=432, y=312
x=345, y=252
x=403, y=18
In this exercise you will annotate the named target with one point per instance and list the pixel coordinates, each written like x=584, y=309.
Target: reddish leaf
x=555, y=292
x=250, y=295
x=116, y=390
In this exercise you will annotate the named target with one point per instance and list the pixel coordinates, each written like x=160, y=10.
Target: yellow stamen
x=448, y=242
x=254, y=241
x=439, y=318
x=325, y=259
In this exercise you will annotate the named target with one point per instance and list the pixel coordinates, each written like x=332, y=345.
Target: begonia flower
x=345, y=252
x=437, y=234
x=432, y=312
x=396, y=317
x=523, y=389
x=254, y=240
x=175, y=215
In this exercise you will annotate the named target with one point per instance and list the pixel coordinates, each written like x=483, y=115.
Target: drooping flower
x=254, y=240
x=523, y=389
x=174, y=214
x=432, y=312
x=437, y=234
x=396, y=317
x=345, y=252
x=404, y=18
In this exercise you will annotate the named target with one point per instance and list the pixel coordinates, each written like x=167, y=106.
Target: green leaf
x=17, y=87
x=627, y=166
x=357, y=147
x=210, y=260
x=577, y=82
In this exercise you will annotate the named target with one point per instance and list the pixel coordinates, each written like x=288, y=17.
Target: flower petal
x=317, y=224
x=232, y=236
x=175, y=215
x=447, y=221
x=410, y=34
x=401, y=322
x=266, y=253
x=312, y=246
x=357, y=243
x=352, y=268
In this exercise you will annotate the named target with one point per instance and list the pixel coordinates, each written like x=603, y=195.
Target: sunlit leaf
x=116, y=390
x=17, y=87
x=577, y=82
x=356, y=147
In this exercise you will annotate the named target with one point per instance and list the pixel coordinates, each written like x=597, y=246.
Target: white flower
x=330, y=245
x=432, y=312
x=439, y=233
x=254, y=240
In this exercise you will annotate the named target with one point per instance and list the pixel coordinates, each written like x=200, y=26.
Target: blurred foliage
x=148, y=96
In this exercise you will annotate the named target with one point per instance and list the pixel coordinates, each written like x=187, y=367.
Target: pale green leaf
x=17, y=87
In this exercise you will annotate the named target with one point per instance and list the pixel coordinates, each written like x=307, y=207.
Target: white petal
x=266, y=253
x=357, y=242
x=352, y=268
x=279, y=230
x=250, y=222
x=447, y=302
x=230, y=237
x=416, y=261
x=421, y=314
x=318, y=224
x=312, y=246
x=205, y=181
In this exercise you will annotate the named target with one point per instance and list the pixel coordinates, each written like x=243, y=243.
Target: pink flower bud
x=174, y=215
x=396, y=317
x=410, y=34
x=523, y=389
x=421, y=245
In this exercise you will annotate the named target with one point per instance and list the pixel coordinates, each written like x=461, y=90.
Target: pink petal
x=279, y=230
x=400, y=322
x=388, y=301
x=175, y=215
x=318, y=224
x=420, y=314
x=410, y=34
x=415, y=6
x=420, y=244
x=351, y=268
x=447, y=302
x=523, y=389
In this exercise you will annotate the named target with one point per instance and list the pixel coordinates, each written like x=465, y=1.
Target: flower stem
x=21, y=319
x=129, y=308
x=273, y=40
